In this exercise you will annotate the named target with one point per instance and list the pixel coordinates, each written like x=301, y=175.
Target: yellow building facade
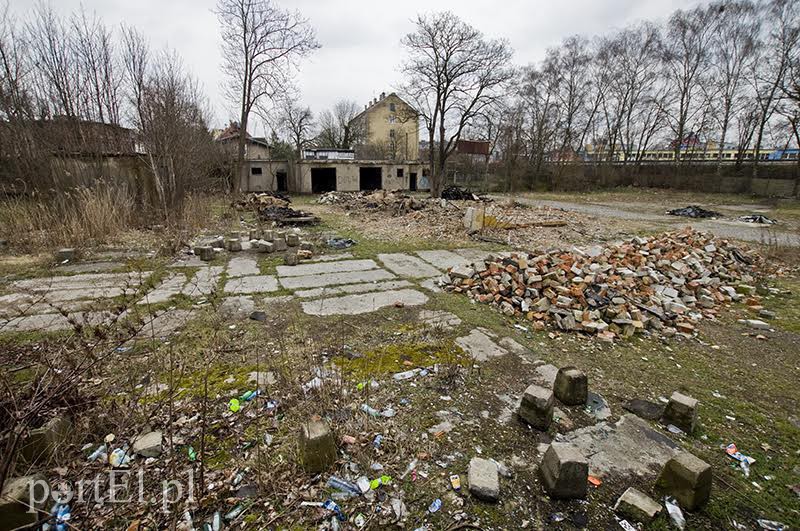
x=390, y=129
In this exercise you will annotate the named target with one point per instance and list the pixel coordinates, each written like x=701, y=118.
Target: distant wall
x=348, y=175
x=777, y=180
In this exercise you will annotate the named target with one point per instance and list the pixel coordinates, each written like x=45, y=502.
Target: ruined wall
x=267, y=180
x=348, y=176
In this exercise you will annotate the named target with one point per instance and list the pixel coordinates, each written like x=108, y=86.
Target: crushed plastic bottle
x=63, y=514
x=235, y=512
x=100, y=453
x=369, y=410
x=771, y=525
x=411, y=466
x=120, y=458
x=435, y=505
x=377, y=441
x=342, y=485
x=675, y=513
x=332, y=506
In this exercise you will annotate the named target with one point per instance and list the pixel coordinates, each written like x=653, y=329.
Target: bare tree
x=261, y=46
x=296, y=122
x=453, y=74
x=338, y=128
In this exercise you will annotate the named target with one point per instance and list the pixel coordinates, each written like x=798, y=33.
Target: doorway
x=370, y=178
x=283, y=185
x=323, y=180
x=412, y=181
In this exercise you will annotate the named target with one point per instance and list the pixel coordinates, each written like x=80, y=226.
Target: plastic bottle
x=343, y=485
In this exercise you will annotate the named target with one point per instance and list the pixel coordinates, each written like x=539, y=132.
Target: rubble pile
x=262, y=199
x=394, y=201
x=664, y=284
x=761, y=219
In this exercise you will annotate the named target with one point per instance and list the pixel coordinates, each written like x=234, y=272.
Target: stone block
x=217, y=243
x=279, y=244
x=16, y=501
x=564, y=472
x=204, y=252
x=65, y=255
x=268, y=235
x=292, y=239
x=255, y=234
x=681, y=411
x=264, y=246
x=306, y=246
x=484, y=479
x=148, y=445
x=317, y=446
x=571, y=387
x=536, y=407
x=688, y=479
x=41, y=443
x=233, y=245
x=637, y=505
x=291, y=259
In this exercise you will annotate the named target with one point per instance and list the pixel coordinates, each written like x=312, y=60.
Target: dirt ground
x=119, y=380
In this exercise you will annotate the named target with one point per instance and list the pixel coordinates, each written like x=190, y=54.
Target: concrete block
x=484, y=479
x=264, y=246
x=681, y=411
x=279, y=244
x=148, y=445
x=564, y=472
x=317, y=446
x=233, y=245
x=204, y=252
x=65, y=255
x=268, y=235
x=536, y=407
x=571, y=386
x=688, y=479
x=41, y=443
x=15, y=501
x=291, y=259
x=637, y=505
x=292, y=239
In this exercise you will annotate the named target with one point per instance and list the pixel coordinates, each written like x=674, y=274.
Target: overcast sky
x=360, y=41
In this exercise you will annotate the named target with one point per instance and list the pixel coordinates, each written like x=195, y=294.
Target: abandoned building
x=387, y=159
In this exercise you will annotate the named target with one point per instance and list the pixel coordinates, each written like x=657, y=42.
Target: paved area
x=330, y=285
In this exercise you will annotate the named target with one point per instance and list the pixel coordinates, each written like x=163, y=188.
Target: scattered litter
x=435, y=505
x=624, y=524
x=675, y=513
x=456, y=193
x=340, y=243
x=234, y=405
x=771, y=525
x=674, y=429
x=744, y=460
x=694, y=211
x=455, y=482
x=343, y=485
x=369, y=410
x=596, y=481
x=100, y=453
x=557, y=517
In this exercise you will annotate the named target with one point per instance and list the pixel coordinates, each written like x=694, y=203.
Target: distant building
x=328, y=154
x=255, y=148
x=390, y=128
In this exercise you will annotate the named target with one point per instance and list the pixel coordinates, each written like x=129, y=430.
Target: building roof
x=232, y=133
x=373, y=103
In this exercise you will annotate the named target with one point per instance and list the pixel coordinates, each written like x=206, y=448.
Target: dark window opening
x=255, y=170
x=392, y=107
x=323, y=180
x=283, y=185
x=370, y=178
x=399, y=172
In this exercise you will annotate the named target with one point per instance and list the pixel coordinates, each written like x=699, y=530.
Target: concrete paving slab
x=406, y=265
x=431, y=284
x=82, y=281
x=165, y=323
x=52, y=322
x=188, y=261
x=254, y=284
x=241, y=266
x=89, y=267
x=237, y=308
x=472, y=255
x=204, y=282
x=352, y=288
x=442, y=259
x=331, y=257
x=170, y=287
x=332, y=279
x=439, y=319
x=321, y=268
x=363, y=303
x=21, y=304
x=64, y=295
x=628, y=447
x=480, y=345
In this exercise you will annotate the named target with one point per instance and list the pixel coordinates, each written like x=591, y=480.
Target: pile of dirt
x=456, y=193
x=393, y=201
x=694, y=211
x=261, y=200
x=664, y=284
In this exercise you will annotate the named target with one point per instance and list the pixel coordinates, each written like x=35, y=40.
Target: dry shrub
x=75, y=218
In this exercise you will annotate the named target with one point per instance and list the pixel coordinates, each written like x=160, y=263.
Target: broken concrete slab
x=254, y=284
x=630, y=446
x=18, y=497
x=261, y=378
x=241, y=266
x=431, y=284
x=439, y=319
x=443, y=260
x=82, y=281
x=484, y=480
x=406, y=265
x=321, y=268
x=188, y=261
x=53, y=322
x=148, y=445
x=170, y=287
x=472, y=255
x=237, y=308
x=352, y=288
x=364, y=303
x=637, y=505
x=42, y=443
x=332, y=279
x=90, y=267
x=164, y=323
x=644, y=408
x=479, y=345
x=204, y=282
x=536, y=407
x=331, y=257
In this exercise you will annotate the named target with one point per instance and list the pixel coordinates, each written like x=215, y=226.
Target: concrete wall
x=380, y=119
x=268, y=180
x=348, y=175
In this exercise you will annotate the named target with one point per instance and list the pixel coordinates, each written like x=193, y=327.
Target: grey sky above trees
x=361, y=52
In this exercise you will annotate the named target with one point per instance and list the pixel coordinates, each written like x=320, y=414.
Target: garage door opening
x=370, y=178
x=323, y=180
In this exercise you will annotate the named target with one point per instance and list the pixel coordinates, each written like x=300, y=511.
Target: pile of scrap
x=283, y=215
x=393, y=201
x=694, y=211
x=760, y=219
x=261, y=200
x=456, y=193
x=664, y=284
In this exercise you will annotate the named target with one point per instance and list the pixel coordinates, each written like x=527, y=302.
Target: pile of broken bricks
x=664, y=284
x=564, y=471
x=263, y=241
